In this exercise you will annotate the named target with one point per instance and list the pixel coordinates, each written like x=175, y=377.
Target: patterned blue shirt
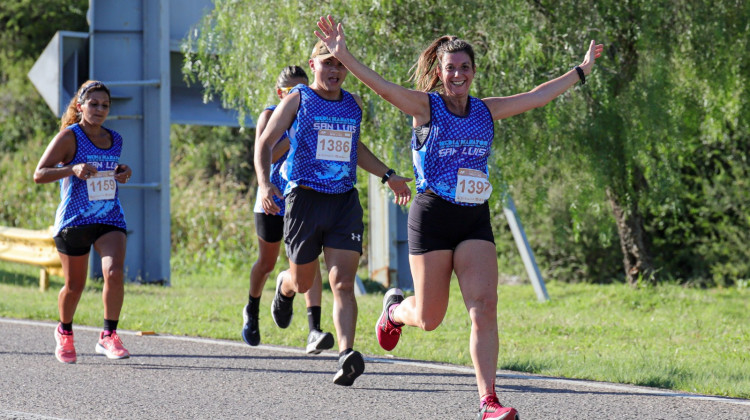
x=76, y=209
x=453, y=142
x=276, y=178
x=323, y=143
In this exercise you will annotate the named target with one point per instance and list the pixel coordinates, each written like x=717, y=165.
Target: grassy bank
x=667, y=336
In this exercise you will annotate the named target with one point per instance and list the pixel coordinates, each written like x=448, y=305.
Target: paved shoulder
x=183, y=377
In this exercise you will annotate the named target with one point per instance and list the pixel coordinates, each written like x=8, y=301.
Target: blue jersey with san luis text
x=323, y=143
x=453, y=143
x=84, y=202
x=276, y=178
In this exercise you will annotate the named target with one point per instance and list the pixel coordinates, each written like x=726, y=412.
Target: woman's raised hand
x=594, y=52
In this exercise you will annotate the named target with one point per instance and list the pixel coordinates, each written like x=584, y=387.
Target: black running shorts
x=77, y=240
x=269, y=227
x=436, y=224
x=314, y=220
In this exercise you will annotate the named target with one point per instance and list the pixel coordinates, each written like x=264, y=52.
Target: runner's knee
x=340, y=285
x=265, y=265
x=483, y=311
x=113, y=273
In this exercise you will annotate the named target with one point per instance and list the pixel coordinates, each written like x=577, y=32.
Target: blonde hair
x=71, y=115
x=426, y=73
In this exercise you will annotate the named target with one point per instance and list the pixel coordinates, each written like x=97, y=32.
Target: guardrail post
x=43, y=279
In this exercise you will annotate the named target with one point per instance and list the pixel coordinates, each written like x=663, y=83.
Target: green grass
x=666, y=336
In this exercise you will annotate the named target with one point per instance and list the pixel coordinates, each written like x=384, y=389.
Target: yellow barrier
x=33, y=247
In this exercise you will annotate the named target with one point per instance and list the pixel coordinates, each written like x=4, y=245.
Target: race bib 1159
x=102, y=186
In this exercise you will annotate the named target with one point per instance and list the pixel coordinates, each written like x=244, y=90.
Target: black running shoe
x=282, y=310
x=351, y=365
x=250, y=332
x=317, y=341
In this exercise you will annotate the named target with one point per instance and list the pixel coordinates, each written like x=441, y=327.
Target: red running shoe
x=492, y=409
x=387, y=332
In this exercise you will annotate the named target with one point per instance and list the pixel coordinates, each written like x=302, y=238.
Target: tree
x=26, y=123
x=28, y=25
x=624, y=135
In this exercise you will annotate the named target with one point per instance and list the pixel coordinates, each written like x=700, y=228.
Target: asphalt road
x=172, y=377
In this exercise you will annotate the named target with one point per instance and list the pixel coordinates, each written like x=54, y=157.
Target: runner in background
x=323, y=212
x=270, y=230
x=84, y=156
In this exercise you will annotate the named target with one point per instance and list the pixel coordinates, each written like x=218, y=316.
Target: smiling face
x=456, y=72
x=95, y=107
x=329, y=73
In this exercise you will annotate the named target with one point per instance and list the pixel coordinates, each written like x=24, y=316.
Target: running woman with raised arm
x=449, y=222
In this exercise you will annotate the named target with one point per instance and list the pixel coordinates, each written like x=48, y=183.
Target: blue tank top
x=323, y=143
x=276, y=178
x=76, y=209
x=453, y=143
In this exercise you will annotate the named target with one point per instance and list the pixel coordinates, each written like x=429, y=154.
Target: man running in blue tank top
x=322, y=205
x=452, y=137
x=270, y=231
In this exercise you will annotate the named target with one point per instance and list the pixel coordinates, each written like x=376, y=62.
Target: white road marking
x=427, y=365
x=18, y=415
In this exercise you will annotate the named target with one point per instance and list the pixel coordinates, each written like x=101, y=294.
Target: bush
x=212, y=197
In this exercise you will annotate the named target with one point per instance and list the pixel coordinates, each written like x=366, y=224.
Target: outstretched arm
x=412, y=102
x=370, y=163
x=544, y=93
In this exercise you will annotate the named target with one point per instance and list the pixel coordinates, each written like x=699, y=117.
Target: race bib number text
x=334, y=145
x=102, y=186
x=472, y=186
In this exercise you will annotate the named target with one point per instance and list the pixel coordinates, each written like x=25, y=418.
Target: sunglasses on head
x=92, y=85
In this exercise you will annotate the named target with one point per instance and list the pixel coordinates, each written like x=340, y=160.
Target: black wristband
x=387, y=175
x=581, y=75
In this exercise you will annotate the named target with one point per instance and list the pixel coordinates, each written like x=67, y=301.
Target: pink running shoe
x=111, y=346
x=491, y=409
x=65, y=350
x=387, y=332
